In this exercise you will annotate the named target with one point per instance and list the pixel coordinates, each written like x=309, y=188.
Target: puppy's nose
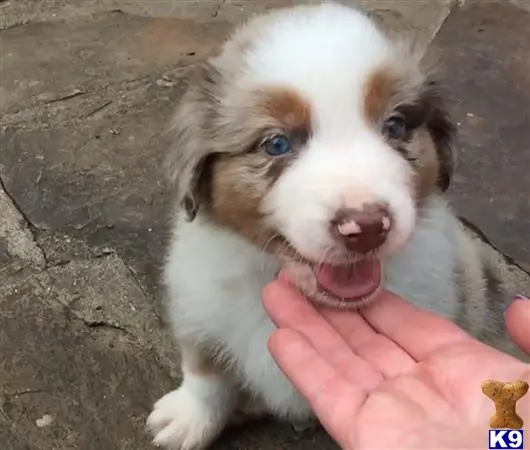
x=362, y=230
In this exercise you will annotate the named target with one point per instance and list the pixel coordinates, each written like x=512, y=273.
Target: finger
x=349, y=325
x=383, y=353
x=333, y=399
x=517, y=318
x=418, y=332
x=288, y=309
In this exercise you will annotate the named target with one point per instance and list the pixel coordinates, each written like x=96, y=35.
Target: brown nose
x=362, y=230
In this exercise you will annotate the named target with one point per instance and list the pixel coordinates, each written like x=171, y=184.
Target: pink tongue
x=352, y=282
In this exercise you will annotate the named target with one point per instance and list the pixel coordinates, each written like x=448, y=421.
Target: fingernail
x=520, y=297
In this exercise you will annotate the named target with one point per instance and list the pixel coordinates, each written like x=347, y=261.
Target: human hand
x=392, y=376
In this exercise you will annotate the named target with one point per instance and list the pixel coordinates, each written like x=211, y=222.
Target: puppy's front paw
x=182, y=421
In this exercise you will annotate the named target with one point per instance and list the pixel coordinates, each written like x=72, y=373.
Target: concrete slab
x=73, y=58
x=486, y=53
x=18, y=248
x=79, y=343
x=424, y=17
x=521, y=4
x=69, y=379
x=83, y=129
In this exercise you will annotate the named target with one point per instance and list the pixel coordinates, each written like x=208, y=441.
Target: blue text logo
x=509, y=439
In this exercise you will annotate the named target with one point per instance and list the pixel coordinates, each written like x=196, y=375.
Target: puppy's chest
x=229, y=307
x=424, y=273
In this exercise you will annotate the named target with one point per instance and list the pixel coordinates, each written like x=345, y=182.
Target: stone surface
x=485, y=47
x=87, y=89
x=67, y=356
x=83, y=132
x=17, y=246
x=424, y=15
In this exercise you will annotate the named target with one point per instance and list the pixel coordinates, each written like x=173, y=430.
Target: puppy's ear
x=389, y=21
x=442, y=131
x=191, y=127
x=395, y=26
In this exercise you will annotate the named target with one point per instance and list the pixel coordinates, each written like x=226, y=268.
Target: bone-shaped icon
x=505, y=396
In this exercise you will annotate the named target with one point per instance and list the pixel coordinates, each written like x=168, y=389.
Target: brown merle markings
x=199, y=361
x=433, y=162
x=287, y=107
x=240, y=181
x=379, y=90
x=442, y=130
x=293, y=114
x=426, y=166
x=428, y=141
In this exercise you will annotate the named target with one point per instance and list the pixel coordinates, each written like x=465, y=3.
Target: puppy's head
x=317, y=138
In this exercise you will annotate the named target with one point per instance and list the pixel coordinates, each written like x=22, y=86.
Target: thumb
x=517, y=318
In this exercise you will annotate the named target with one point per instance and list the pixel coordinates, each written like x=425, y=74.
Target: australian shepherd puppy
x=312, y=140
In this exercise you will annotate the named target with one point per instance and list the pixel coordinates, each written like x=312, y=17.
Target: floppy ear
x=442, y=131
x=191, y=146
x=390, y=21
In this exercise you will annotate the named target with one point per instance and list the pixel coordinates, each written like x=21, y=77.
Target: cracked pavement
x=86, y=91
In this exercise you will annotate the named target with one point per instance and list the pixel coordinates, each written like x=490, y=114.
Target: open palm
x=393, y=376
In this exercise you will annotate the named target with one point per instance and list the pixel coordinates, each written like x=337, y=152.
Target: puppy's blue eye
x=395, y=128
x=277, y=145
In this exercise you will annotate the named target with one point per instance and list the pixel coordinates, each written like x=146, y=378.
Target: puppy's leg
x=249, y=408
x=193, y=415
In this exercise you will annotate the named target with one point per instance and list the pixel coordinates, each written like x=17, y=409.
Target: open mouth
x=350, y=283
x=341, y=285
x=354, y=284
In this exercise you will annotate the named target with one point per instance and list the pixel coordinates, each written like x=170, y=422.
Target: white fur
x=203, y=258
x=215, y=277
x=308, y=195
x=303, y=201
x=233, y=319
x=194, y=413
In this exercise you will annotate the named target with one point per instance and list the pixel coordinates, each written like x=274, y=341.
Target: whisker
x=323, y=257
x=264, y=251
